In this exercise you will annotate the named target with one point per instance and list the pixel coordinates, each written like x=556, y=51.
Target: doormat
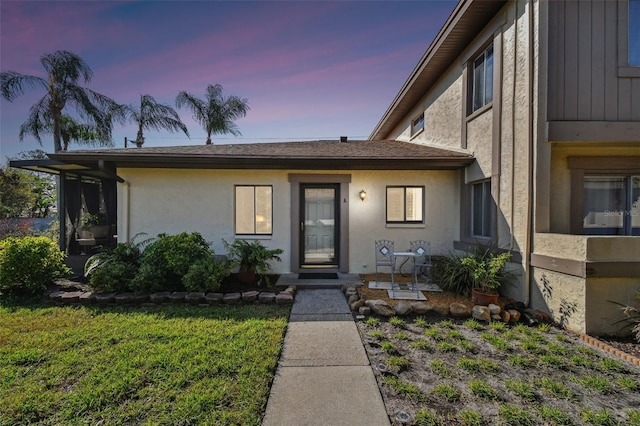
x=318, y=276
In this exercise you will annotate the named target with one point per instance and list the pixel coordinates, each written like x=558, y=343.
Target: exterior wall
x=586, y=80
x=173, y=201
x=575, y=279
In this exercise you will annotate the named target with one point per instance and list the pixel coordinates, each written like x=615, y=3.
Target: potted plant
x=252, y=259
x=96, y=224
x=488, y=275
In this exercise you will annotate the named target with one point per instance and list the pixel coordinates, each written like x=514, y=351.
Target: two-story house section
x=546, y=96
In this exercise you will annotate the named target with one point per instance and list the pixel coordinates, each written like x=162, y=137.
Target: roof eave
x=448, y=44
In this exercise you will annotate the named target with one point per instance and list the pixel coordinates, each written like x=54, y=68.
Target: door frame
x=296, y=179
x=336, y=228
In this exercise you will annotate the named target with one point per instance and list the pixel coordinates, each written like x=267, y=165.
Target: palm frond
x=66, y=67
x=13, y=84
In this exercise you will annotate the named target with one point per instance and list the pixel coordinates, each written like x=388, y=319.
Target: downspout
x=127, y=209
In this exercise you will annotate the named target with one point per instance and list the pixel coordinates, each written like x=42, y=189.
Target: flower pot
x=99, y=231
x=246, y=276
x=485, y=299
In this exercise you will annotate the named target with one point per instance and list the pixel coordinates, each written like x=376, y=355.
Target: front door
x=319, y=225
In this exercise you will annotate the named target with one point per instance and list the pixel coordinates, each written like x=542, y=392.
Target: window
x=482, y=79
x=634, y=33
x=481, y=209
x=417, y=125
x=405, y=204
x=611, y=205
x=254, y=209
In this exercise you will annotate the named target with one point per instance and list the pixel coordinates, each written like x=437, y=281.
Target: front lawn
x=120, y=365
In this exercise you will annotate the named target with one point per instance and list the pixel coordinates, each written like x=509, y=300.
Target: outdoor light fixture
x=363, y=195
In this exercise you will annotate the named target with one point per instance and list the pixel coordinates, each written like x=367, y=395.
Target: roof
x=322, y=155
x=463, y=25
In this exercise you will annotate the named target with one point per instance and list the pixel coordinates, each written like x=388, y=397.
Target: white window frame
x=255, y=215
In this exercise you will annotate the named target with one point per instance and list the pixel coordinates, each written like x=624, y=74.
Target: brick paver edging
x=610, y=349
x=163, y=298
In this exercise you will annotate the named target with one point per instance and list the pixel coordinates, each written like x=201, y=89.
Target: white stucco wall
x=154, y=201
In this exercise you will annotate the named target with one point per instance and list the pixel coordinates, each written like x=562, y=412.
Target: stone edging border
x=284, y=297
x=608, y=348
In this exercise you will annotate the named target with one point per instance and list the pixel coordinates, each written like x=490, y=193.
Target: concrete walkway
x=324, y=376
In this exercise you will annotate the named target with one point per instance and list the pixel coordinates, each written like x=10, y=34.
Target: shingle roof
x=356, y=154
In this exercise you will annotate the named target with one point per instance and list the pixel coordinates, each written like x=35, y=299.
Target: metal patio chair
x=384, y=257
x=422, y=262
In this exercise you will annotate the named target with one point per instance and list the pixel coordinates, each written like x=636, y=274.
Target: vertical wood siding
x=583, y=64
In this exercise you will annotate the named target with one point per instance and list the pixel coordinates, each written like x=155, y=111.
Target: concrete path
x=324, y=376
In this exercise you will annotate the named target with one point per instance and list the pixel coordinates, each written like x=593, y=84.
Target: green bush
x=206, y=275
x=29, y=264
x=114, y=269
x=460, y=272
x=168, y=259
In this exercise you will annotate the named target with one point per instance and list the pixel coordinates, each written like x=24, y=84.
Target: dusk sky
x=310, y=70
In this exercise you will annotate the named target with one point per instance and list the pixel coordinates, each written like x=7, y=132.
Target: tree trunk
x=57, y=128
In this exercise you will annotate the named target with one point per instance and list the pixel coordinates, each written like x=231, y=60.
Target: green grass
x=599, y=418
x=440, y=368
x=447, y=393
x=398, y=322
x=472, y=418
x=555, y=416
x=406, y=389
x=389, y=348
x=426, y=418
x=596, y=383
x=473, y=324
x=167, y=365
x=523, y=389
x=397, y=363
x=477, y=365
x=515, y=416
x=378, y=335
x=481, y=389
x=627, y=383
x=555, y=388
x=422, y=345
x=401, y=335
x=372, y=321
x=420, y=322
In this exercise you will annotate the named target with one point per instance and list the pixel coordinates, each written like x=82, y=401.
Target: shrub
x=114, y=269
x=206, y=275
x=460, y=273
x=29, y=264
x=168, y=259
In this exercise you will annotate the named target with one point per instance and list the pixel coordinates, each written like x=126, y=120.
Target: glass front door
x=319, y=220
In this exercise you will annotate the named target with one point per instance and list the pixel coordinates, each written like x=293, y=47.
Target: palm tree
x=151, y=115
x=216, y=114
x=64, y=69
x=72, y=131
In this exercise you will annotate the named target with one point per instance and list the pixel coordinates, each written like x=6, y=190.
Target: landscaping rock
x=177, y=296
x=104, y=298
x=284, y=299
x=403, y=308
x=231, y=298
x=495, y=309
x=56, y=295
x=250, y=296
x=266, y=297
x=70, y=296
x=357, y=304
x=159, y=297
x=123, y=298
x=421, y=308
x=459, y=310
x=291, y=289
x=194, y=298
x=353, y=298
x=380, y=307
x=214, y=298
x=496, y=317
x=86, y=298
x=140, y=298
x=364, y=310
x=505, y=316
x=514, y=316
x=441, y=309
x=481, y=313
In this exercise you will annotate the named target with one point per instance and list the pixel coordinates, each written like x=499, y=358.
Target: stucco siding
x=154, y=201
x=561, y=295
